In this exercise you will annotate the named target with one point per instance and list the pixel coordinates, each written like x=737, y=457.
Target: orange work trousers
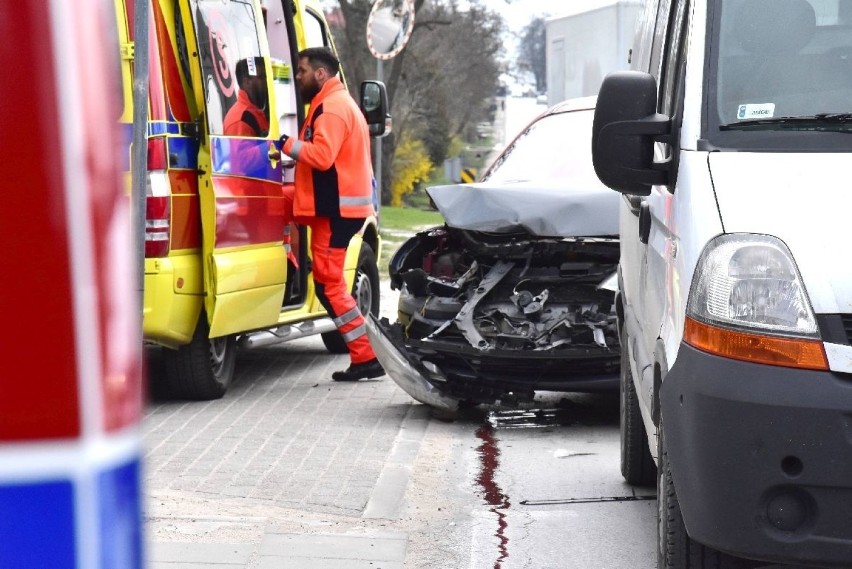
x=329, y=240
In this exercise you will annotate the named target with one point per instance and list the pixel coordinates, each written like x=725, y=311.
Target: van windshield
x=782, y=74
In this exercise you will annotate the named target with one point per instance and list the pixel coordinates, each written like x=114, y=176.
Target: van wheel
x=366, y=292
x=637, y=464
x=675, y=549
x=203, y=369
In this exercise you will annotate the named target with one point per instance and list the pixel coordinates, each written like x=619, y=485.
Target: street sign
x=468, y=175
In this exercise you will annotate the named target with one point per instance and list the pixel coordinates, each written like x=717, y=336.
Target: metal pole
x=378, y=172
x=139, y=154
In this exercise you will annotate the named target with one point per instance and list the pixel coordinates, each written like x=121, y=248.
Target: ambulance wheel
x=203, y=369
x=366, y=292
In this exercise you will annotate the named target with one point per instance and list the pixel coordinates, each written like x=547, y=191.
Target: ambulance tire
x=366, y=292
x=203, y=369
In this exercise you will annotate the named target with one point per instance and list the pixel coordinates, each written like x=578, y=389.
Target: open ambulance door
x=242, y=205
x=282, y=22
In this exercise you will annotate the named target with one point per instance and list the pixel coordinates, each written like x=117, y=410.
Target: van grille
x=847, y=326
x=835, y=328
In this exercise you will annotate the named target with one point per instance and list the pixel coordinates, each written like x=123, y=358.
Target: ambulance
x=222, y=269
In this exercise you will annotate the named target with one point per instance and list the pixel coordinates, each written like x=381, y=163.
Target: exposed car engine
x=492, y=314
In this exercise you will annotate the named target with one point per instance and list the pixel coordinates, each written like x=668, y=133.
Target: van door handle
x=644, y=222
x=634, y=203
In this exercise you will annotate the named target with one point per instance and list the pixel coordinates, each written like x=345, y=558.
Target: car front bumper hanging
x=408, y=374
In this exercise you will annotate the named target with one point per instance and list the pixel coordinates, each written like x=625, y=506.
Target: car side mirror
x=624, y=130
x=374, y=105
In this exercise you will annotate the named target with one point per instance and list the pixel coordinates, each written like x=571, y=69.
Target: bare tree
x=441, y=83
x=532, y=52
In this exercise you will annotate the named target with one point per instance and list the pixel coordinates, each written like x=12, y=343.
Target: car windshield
x=782, y=66
x=554, y=147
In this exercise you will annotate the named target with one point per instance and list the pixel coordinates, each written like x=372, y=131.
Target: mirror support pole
x=139, y=155
x=378, y=168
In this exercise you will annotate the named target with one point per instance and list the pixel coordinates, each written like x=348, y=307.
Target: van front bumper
x=761, y=457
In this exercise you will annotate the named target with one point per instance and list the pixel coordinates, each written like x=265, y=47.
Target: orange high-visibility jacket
x=333, y=169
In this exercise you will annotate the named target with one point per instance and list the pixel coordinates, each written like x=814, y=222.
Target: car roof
x=578, y=104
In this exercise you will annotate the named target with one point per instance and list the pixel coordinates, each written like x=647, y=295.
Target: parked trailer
x=583, y=48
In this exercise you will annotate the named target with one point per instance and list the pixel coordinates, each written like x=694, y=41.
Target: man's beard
x=308, y=92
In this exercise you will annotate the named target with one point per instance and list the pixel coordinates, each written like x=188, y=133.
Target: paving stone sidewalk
x=274, y=473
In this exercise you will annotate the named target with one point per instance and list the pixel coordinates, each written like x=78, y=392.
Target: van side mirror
x=624, y=130
x=374, y=105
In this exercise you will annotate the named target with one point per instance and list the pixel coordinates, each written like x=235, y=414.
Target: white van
x=730, y=141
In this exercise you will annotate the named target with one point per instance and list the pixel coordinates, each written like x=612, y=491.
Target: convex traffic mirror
x=389, y=27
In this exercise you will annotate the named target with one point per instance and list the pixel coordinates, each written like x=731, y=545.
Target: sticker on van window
x=761, y=111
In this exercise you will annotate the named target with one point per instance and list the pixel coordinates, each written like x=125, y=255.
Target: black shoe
x=364, y=370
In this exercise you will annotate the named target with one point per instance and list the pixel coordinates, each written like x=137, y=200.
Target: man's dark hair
x=321, y=57
x=242, y=69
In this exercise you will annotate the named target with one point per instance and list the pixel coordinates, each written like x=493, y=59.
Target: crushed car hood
x=542, y=208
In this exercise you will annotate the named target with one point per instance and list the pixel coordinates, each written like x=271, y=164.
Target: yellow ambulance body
x=222, y=269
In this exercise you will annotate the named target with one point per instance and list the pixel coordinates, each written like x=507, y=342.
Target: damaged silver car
x=515, y=293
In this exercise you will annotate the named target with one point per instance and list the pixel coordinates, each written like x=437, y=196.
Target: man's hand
x=275, y=153
x=279, y=144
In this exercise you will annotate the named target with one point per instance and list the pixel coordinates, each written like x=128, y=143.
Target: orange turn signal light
x=770, y=350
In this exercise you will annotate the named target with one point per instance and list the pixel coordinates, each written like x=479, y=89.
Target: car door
x=240, y=190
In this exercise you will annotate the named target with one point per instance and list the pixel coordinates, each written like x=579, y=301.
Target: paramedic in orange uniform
x=333, y=195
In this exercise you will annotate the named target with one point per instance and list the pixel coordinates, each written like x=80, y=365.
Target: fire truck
x=222, y=269
x=70, y=442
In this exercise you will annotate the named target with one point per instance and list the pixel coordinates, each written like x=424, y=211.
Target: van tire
x=637, y=464
x=366, y=292
x=675, y=549
x=203, y=369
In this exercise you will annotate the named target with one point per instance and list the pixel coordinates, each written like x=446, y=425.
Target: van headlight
x=748, y=302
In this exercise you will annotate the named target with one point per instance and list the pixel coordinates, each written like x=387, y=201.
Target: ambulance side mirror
x=374, y=105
